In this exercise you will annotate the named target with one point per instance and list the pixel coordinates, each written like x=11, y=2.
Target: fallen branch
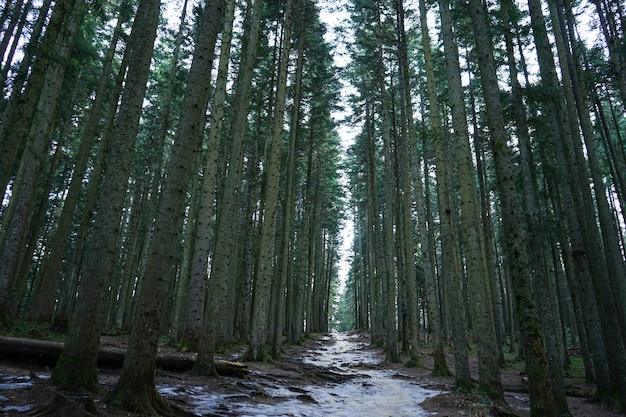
x=46, y=352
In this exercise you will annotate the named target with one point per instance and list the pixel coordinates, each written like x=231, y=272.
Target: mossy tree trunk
x=46, y=293
x=135, y=389
x=77, y=364
x=222, y=277
x=451, y=274
x=514, y=238
x=478, y=275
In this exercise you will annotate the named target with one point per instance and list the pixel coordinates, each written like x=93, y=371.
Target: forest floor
x=336, y=374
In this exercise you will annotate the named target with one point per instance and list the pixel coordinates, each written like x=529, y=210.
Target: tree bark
x=542, y=402
x=136, y=389
x=450, y=269
x=42, y=309
x=263, y=281
x=76, y=368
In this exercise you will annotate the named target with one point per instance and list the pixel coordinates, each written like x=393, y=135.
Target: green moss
x=71, y=373
x=32, y=330
x=463, y=385
x=255, y=354
x=440, y=367
x=136, y=392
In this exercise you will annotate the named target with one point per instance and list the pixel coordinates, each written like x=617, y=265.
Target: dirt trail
x=341, y=377
x=336, y=374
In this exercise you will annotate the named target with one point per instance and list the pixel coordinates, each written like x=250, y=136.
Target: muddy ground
x=25, y=388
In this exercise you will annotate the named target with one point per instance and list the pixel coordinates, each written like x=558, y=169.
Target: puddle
x=11, y=382
x=370, y=392
x=8, y=382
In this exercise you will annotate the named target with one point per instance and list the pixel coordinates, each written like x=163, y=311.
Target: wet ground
x=359, y=389
x=336, y=374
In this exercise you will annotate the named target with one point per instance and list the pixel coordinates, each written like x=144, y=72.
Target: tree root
x=68, y=405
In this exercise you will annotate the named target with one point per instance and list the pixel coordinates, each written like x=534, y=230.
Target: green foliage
x=342, y=318
x=31, y=330
x=576, y=368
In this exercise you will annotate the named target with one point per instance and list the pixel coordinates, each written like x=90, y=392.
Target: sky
x=334, y=14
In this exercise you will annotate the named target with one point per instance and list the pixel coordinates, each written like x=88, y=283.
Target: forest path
x=335, y=374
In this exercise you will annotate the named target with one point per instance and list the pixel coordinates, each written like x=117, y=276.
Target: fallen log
x=47, y=352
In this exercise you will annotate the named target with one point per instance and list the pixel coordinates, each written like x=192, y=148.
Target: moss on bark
x=440, y=367
x=463, y=385
x=256, y=354
x=136, y=392
x=205, y=369
x=72, y=373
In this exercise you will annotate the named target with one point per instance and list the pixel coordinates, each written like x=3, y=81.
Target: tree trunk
x=42, y=309
x=285, y=268
x=542, y=403
x=404, y=153
x=590, y=260
x=76, y=368
x=135, y=389
x=16, y=221
x=263, y=282
x=387, y=232
x=222, y=277
x=22, y=105
x=450, y=269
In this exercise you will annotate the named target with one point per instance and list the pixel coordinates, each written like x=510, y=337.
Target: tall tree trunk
x=589, y=259
x=450, y=268
x=76, y=368
x=471, y=225
x=22, y=106
x=136, y=389
x=42, y=309
x=263, y=282
x=286, y=240
x=539, y=249
x=12, y=12
x=195, y=327
x=404, y=154
x=375, y=235
x=16, y=220
x=542, y=403
x=222, y=277
x=387, y=215
x=17, y=39
x=570, y=53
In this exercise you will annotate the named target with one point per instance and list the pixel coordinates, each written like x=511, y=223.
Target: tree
x=196, y=328
x=226, y=243
x=451, y=273
x=536, y=359
x=136, y=389
x=76, y=368
x=23, y=123
x=260, y=312
x=404, y=151
x=43, y=304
